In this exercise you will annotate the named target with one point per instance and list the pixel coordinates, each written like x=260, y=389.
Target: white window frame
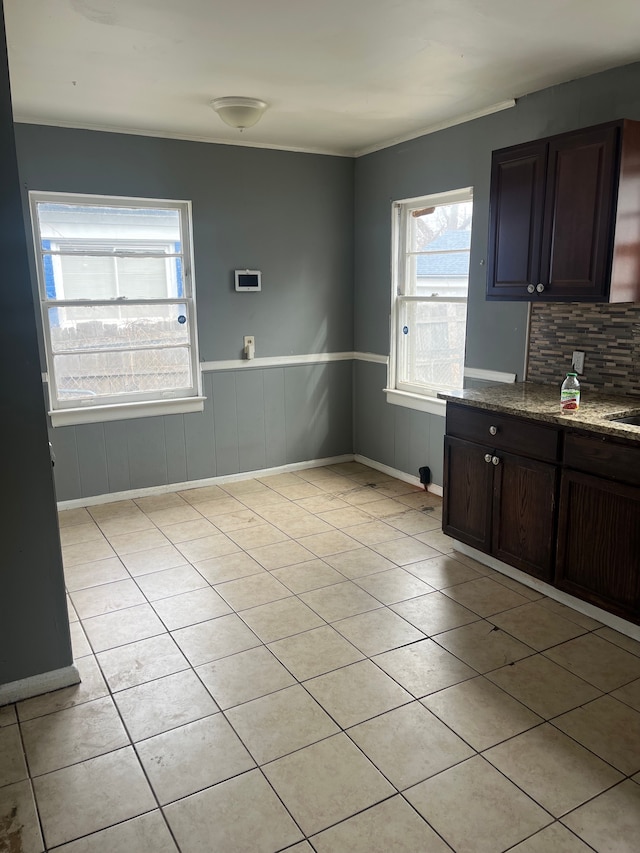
x=116, y=407
x=418, y=397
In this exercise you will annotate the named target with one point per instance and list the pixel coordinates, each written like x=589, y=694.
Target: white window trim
x=145, y=405
x=122, y=411
x=419, y=398
x=418, y=402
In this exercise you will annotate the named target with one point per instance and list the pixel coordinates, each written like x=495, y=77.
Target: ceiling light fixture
x=239, y=112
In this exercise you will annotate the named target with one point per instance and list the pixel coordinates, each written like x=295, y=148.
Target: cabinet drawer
x=503, y=432
x=603, y=457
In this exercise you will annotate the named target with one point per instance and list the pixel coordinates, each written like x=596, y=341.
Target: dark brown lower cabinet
x=599, y=542
x=562, y=505
x=524, y=503
x=502, y=504
x=468, y=487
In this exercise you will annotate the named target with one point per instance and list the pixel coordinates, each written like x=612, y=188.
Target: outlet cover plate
x=577, y=361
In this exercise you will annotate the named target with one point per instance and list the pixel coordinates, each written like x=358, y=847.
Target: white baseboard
x=608, y=619
x=94, y=500
x=45, y=682
x=394, y=472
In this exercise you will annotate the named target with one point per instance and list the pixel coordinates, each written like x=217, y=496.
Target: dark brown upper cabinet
x=564, y=221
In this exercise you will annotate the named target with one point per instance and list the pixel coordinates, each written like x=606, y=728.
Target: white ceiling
x=341, y=76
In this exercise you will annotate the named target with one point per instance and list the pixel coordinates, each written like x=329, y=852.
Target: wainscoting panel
x=398, y=437
x=252, y=420
x=274, y=417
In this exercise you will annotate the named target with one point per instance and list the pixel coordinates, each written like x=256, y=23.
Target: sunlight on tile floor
x=303, y=663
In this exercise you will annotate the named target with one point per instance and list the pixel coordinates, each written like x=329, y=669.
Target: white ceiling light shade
x=239, y=112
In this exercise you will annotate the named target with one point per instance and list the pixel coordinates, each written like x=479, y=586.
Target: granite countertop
x=542, y=403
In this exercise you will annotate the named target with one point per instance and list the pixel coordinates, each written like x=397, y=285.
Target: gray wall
x=292, y=215
x=457, y=157
x=253, y=419
x=287, y=214
x=394, y=435
x=34, y=631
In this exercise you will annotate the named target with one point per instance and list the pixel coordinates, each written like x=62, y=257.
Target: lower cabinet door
x=599, y=543
x=468, y=481
x=524, y=500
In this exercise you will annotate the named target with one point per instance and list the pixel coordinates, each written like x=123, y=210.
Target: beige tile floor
x=303, y=663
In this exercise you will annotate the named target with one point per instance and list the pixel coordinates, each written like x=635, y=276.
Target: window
x=118, y=309
x=431, y=243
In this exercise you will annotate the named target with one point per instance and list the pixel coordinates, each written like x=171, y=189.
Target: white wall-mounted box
x=248, y=280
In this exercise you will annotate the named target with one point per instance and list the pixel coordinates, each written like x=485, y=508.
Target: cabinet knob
x=540, y=287
x=493, y=430
x=487, y=457
x=530, y=288
x=496, y=460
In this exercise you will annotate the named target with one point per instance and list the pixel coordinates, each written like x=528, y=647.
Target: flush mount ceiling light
x=239, y=112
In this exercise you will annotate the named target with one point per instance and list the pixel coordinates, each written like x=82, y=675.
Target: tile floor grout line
x=559, y=818
x=131, y=744
x=141, y=765
x=500, y=666
x=249, y=752
x=238, y=613
x=531, y=797
x=409, y=701
x=410, y=804
x=365, y=657
x=551, y=722
x=357, y=813
x=30, y=781
x=557, y=821
x=590, y=683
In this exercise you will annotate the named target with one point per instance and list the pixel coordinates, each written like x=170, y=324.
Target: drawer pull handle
x=530, y=288
x=493, y=430
x=496, y=460
x=540, y=288
x=487, y=457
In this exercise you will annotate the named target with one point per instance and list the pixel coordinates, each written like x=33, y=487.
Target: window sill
x=125, y=411
x=419, y=402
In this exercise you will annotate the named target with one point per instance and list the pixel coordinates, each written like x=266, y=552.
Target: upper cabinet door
x=578, y=215
x=564, y=221
x=515, y=220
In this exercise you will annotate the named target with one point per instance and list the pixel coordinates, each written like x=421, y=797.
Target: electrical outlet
x=249, y=347
x=577, y=361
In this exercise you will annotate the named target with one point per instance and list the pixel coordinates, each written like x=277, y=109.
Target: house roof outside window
x=450, y=263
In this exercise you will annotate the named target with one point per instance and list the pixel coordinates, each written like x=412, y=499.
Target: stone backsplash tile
x=609, y=335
